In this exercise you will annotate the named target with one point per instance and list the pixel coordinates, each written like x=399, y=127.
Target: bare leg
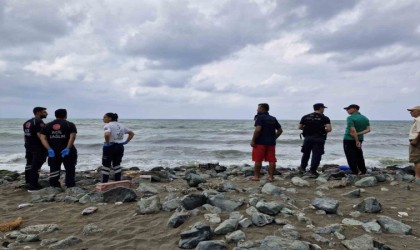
x=417, y=169
x=257, y=170
x=271, y=170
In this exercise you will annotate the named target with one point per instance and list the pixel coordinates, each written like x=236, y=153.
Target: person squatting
x=113, y=148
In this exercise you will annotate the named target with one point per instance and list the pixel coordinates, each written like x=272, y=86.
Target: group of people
x=56, y=140
x=315, y=127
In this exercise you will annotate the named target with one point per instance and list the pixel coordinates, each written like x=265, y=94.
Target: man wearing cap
x=414, y=138
x=315, y=127
x=357, y=126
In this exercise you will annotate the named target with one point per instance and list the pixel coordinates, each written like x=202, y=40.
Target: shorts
x=264, y=153
x=414, y=153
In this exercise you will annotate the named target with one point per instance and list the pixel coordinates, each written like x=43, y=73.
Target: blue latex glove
x=107, y=144
x=65, y=152
x=51, y=153
x=124, y=143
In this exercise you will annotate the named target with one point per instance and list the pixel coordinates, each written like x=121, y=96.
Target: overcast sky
x=209, y=59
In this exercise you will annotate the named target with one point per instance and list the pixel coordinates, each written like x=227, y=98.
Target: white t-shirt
x=415, y=129
x=116, y=131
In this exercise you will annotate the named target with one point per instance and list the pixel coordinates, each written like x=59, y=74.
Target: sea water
x=172, y=143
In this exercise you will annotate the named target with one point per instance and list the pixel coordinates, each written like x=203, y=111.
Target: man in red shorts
x=267, y=130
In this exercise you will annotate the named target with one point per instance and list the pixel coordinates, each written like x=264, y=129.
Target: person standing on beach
x=315, y=127
x=58, y=138
x=414, y=138
x=357, y=126
x=263, y=143
x=35, y=153
x=113, y=149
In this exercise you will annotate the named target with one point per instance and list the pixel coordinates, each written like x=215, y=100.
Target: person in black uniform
x=35, y=153
x=315, y=127
x=58, y=138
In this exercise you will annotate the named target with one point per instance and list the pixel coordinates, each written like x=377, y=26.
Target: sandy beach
x=121, y=227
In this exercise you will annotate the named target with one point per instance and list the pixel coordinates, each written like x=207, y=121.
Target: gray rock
x=92, y=197
x=171, y=205
x=353, y=194
x=366, y=182
x=212, y=209
x=213, y=218
x=178, y=218
x=76, y=191
x=260, y=219
x=364, y=242
x=147, y=190
x=393, y=226
x=192, y=201
x=67, y=242
x=235, y=236
x=198, y=233
x=302, y=218
x=253, y=201
x=225, y=203
x=297, y=181
x=269, y=207
x=339, y=236
x=328, y=205
x=91, y=229
x=212, y=245
x=369, y=205
x=41, y=228
x=70, y=199
x=289, y=234
x=245, y=222
x=50, y=191
x=193, y=180
x=235, y=215
x=251, y=210
x=89, y=210
x=149, y=205
x=380, y=177
x=120, y=194
x=269, y=188
x=28, y=238
x=47, y=242
x=13, y=234
x=351, y=222
x=227, y=186
x=329, y=229
x=274, y=242
x=226, y=227
x=321, y=239
x=371, y=226
x=37, y=198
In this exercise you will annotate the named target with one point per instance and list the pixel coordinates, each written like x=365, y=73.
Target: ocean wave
x=12, y=158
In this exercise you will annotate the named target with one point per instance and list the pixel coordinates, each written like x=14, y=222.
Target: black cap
x=352, y=106
x=317, y=106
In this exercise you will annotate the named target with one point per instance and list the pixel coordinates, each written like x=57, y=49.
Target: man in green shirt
x=357, y=126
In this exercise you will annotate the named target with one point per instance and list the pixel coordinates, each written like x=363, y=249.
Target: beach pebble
x=351, y=222
x=171, y=205
x=371, y=226
x=353, y=194
x=260, y=219
x=192, y=201
x=198, y=233
x=369, y=205
x=65, y=243
x=402, y=214
x=225, y=203
x=213, y=218
x=23, y=205
x=147, y=189
x=89, y=210
x=274, y=242
x=329, y=229
x=212, y=209
x=269, y=207
x=235, y=236
x=384, y=189
x=297, y=181
x=178, y=218
x=41, y=228
x=212, y=245
x=28, y=238
x=119, y=194
x=390, y=225
x=226, y=227
x=93, y=197
x=362, y=242
x=245, y=222
x=327, y=204
x=269, y=188
x=366, y=182
x=90, y=229
x=148, y=205
x=321, y=239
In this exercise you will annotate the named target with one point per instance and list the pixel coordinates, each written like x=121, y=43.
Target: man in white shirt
x=414, y=138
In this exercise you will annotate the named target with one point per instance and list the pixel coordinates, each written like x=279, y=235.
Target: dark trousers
x=69, y=162
x=354, y=156
x=29, y=157
x=314, y=144
x=39, y=156
x=111, y=159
